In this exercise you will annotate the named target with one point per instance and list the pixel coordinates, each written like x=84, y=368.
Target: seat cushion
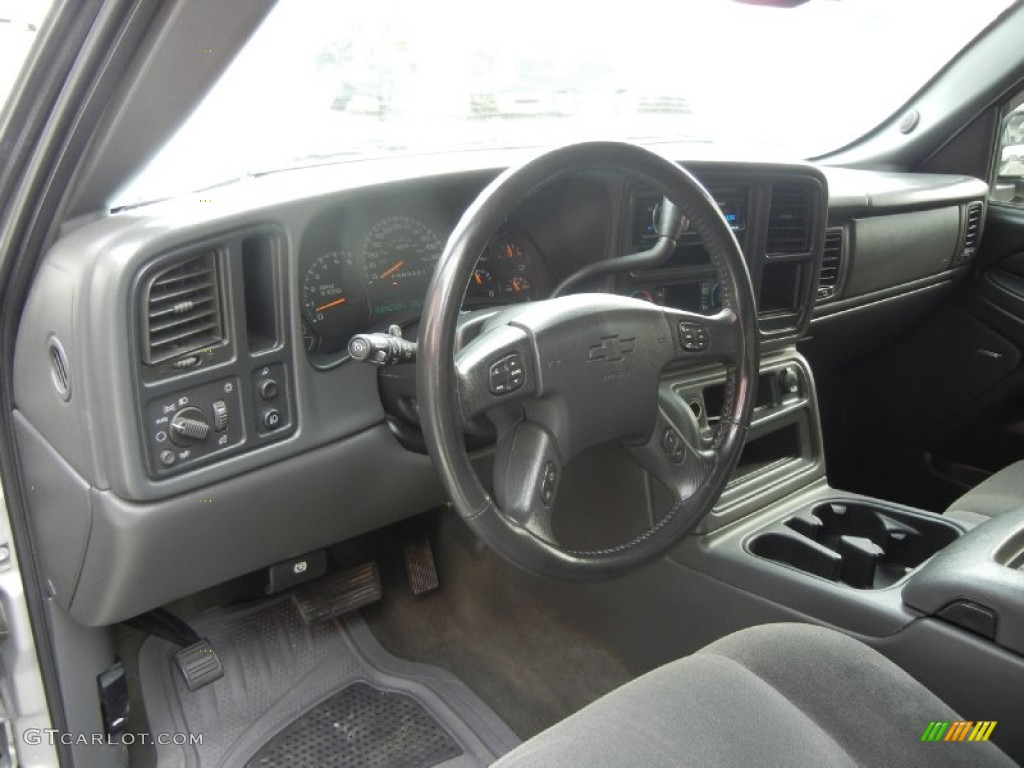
x=1000, y=493
x=778, y=694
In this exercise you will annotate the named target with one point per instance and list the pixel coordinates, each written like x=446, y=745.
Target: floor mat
x=360, y=726
x=305, y=696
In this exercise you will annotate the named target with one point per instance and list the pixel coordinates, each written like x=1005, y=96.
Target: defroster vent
x=789, y=220
x=182, y=309
x=831, y=264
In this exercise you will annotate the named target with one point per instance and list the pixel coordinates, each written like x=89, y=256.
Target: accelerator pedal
x=419, y=564
x=338, y=593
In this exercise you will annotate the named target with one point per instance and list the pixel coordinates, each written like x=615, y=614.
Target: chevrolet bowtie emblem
x=611, y=349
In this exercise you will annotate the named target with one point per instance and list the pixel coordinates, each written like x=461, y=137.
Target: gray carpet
x=520, y=656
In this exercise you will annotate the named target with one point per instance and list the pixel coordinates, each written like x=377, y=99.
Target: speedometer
x=400, y=254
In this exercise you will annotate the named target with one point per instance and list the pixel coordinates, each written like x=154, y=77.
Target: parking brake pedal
x=199, y=664
x=338, y=593
x=197, y=661
x=419, y=564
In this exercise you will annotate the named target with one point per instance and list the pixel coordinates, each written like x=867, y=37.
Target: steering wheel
x=562, y=375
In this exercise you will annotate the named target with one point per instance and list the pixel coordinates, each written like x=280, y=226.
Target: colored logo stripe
x=982, y=730
x=958, y=730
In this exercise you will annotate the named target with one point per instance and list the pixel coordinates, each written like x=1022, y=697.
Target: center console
x=942, y=597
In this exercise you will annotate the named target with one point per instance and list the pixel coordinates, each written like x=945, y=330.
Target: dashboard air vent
x=973, y=228
x=831, y=263
x=972, y=233
x=789, y=220
x=182, y=309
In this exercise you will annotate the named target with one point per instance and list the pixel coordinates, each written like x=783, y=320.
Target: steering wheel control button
x=507, y=374
x=220, y=416
x=693, y=337
x=673, y=445
x=267, y=388
x=271, y=419
x=548, y=483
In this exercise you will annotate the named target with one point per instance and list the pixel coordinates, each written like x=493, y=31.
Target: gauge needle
x=330, y=304
x=392, y=269
x=477, y=279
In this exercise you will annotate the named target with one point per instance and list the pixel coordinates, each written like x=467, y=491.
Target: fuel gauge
x=481, y=285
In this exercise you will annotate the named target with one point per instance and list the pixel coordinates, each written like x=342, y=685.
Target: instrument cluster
x=381, y=279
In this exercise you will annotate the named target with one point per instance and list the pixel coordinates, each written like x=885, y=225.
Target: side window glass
x=1009, y=182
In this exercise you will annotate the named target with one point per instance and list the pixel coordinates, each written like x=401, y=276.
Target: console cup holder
x=859, y=544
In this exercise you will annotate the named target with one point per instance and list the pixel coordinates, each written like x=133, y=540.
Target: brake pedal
x=419, y=564
x=338, y=593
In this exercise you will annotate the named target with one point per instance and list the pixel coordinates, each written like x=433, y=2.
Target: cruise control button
x=359, y=347
x=499, y=378
x=507, y=374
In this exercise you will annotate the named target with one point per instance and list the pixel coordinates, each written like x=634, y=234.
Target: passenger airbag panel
x=892, y=250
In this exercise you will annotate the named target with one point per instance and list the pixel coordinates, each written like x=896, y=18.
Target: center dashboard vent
x=789, y=220
x=831, y=264
x=182, y=309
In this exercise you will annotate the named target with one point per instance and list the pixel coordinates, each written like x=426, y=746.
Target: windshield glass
x=323, y=80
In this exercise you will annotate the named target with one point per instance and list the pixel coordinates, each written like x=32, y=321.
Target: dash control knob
x=220, y=415
x=271, y=419
x=790, y=381
x=188, y=426
x=267, y=389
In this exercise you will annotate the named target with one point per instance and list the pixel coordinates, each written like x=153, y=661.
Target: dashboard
x=182, y=367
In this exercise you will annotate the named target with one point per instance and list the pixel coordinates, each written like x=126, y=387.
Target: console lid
x=977, y=581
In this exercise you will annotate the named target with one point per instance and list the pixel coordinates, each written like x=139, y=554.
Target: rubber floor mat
x=361, y=726
x=300, y=696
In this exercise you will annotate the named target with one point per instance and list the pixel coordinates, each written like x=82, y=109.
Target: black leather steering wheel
x=561, y=375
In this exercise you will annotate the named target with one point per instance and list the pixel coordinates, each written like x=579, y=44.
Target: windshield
x=323, y=80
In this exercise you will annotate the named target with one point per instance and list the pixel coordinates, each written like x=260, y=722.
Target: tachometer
x=333, y=303
x=400, y=254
